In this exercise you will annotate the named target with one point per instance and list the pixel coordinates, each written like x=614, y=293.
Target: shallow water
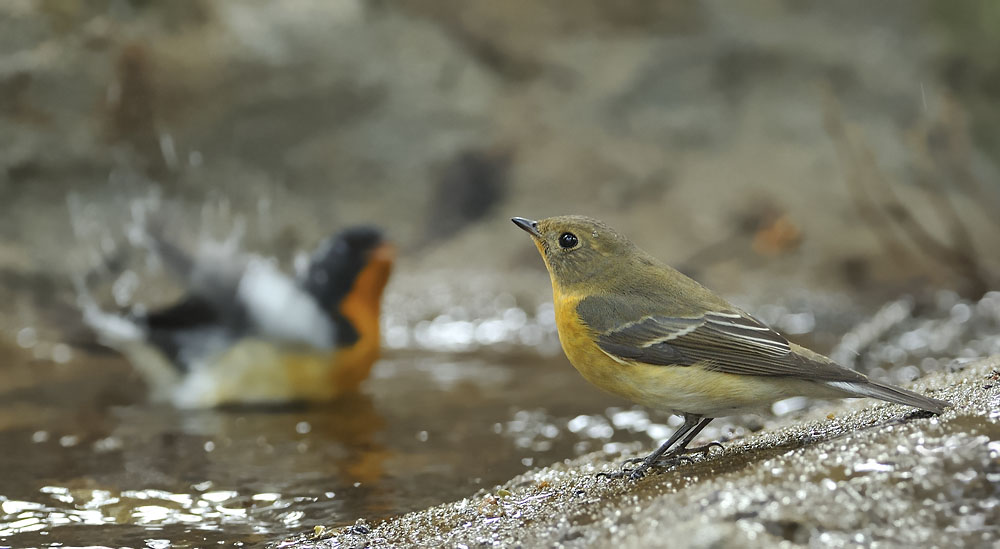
x=88, y=462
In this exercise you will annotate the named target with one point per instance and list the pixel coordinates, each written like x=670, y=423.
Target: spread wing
x=728, y=342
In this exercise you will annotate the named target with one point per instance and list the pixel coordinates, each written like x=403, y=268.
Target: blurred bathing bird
x=637, y=328
x=247, y=333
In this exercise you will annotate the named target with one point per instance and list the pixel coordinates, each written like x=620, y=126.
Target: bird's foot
x=645, y=464
x=613, y=475
x=670, y=459
x=622, y=471
x=703, y=450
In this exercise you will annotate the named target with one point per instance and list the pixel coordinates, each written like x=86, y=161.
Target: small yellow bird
x=637, y=328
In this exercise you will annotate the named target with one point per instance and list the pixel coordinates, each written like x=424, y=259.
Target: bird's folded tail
x=889, y=393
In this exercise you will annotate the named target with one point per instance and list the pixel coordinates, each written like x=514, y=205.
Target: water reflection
x=58, y=506
x=91, y=467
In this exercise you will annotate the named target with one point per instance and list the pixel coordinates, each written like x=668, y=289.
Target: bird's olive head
x=578, y=249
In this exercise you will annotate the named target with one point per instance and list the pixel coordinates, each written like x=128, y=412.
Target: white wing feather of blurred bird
x=280, y=309
x=245, y=294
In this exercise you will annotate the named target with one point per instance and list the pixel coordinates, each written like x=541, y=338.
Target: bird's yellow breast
x=579, y=343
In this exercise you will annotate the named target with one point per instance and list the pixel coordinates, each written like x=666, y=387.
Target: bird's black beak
x=531, y=227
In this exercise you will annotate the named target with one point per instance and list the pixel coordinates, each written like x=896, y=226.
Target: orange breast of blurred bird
x=362, y=307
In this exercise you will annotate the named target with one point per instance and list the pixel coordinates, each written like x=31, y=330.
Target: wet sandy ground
x=853, y=474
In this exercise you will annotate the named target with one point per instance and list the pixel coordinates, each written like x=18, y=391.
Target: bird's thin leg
x=698, y=424
x=690, y=422
x=682, y=449
x=692, y=426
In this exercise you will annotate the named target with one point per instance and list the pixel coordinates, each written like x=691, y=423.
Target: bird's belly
x=695, y=390
x=251, y=371
x=675, y=389
x=259, y=372
x=683, y=389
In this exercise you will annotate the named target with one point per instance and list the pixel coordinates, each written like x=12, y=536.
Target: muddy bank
x=851, y=473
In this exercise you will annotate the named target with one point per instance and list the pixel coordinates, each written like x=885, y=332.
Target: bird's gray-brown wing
x=723, y=341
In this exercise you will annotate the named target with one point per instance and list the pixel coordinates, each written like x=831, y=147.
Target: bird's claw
x=632, y=474
x=623, y=471
x=640, y=471
x=614, y=475
x=671, y=459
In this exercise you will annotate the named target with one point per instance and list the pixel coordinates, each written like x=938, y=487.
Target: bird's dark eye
x=568, y=240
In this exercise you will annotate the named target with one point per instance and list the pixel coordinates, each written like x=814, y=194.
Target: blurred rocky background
x=762, y=146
